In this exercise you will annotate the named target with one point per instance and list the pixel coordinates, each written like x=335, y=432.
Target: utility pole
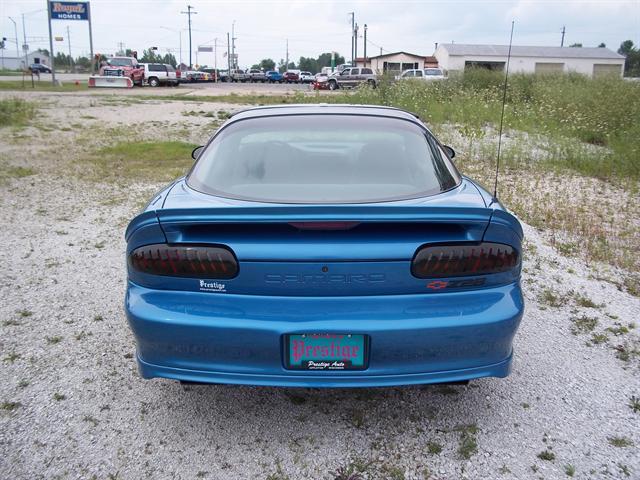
x=233, y=45
x=563, y=32
x=365, y=44
x=15, y=28
x=228, y=57
x=355, y=47
x=69, y=43
x=25, y=47
x=215, y=59
x=286, y=62
x=189, y=13
x=353, y=29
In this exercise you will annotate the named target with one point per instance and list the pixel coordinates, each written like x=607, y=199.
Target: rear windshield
x=322, y=159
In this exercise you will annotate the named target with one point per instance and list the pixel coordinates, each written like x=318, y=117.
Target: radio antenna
x=504, y=101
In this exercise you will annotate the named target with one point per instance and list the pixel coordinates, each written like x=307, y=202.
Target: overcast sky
x=313, y=27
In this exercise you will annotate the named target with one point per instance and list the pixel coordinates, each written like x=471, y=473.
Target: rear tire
x=333, y=85
x=154, y=82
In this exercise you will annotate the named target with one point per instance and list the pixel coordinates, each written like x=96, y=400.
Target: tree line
x=306, y=64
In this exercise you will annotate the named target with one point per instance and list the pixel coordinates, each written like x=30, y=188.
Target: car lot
x=75, y=407
x=203, y=88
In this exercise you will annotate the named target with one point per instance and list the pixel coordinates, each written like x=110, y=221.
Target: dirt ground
x=74, y=406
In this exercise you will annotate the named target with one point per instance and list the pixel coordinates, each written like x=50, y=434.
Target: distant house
x=589, y=61
x=397, y=62
x=13, y=63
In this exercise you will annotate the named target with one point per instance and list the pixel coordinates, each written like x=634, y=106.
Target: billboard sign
x=205, y=48
x=68, y=10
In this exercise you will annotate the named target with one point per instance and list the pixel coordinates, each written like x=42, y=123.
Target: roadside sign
x=59, y=39
x=25, y=47
x=69, y=10
x=205, y=48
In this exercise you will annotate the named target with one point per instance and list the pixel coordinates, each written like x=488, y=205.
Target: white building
x=586, y=60
x=10, y=62
x=396, y=62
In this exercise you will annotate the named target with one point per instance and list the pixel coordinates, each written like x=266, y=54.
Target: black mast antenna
x=504, y=100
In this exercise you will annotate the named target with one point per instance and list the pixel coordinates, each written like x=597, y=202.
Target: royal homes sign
x=69, y=10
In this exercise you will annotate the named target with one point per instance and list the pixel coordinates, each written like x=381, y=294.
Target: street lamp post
x=15, y=27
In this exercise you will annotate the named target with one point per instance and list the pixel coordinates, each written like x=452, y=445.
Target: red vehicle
x=124, y=67
x=290, y=77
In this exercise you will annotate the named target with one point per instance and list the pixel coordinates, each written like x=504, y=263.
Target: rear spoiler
x=474, y=219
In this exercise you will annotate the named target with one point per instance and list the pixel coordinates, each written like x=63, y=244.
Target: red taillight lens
x=437, y=261
x=195, y=261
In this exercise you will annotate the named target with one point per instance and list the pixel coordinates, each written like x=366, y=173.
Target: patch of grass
x=599, y=338
x=279, y=474
x=583, y=324
x=25, y=313
x=620, y=329
x=8, y=172
x=620, y=442
x=634, y=404
x=586, y=302
x=569, y=470
x=12, y=357
x=90, y=419
x=434, y=448
x=392, y=472
x=141, y=161
x=357, y=418
x=53, y=340
x=41, y=85
x=9, y=406
x=23, y=383
x=551, y=298
x=632, y=284
x=626, y=352
x=15, y=112
x=467, y=446
x=547, y=455
x=11, y=323
x=58, y=397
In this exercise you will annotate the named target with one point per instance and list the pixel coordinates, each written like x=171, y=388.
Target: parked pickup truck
x=239, y=76
x=257, y=76
x=352, y=77
x=124, y=67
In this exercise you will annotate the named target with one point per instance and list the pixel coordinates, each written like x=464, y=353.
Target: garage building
x=17, y=63
x=586, y=60
x=397, y=62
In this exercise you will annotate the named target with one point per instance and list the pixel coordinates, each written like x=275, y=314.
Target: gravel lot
x=73, y=405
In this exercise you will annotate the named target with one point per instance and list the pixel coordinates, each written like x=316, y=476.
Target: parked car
x=213, y=75
x=273, y=76
x=193, y=76
x=156, y=74
x=40, y=68
x=290, y=77
x=352, y=77
x=272, y=262
x=124, y=67
x=224, y=76
x=426, y=74
x=307, y=77
x=240, y=76
x=257, y=76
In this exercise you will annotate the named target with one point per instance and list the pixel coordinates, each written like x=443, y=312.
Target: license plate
x=326, y=351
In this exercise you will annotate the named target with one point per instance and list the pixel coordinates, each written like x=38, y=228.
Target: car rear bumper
x=238, y=339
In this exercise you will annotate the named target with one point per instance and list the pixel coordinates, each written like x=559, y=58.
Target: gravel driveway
x=73, y=405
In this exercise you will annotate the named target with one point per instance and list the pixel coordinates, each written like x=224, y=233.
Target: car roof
x=325, y=109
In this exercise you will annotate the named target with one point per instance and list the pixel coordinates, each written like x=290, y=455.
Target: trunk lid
x=280, y=253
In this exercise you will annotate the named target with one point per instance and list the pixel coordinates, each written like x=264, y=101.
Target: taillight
x=437, y=261
x=197, y=261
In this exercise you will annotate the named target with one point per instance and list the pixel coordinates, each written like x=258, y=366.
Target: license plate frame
x=321, y=340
